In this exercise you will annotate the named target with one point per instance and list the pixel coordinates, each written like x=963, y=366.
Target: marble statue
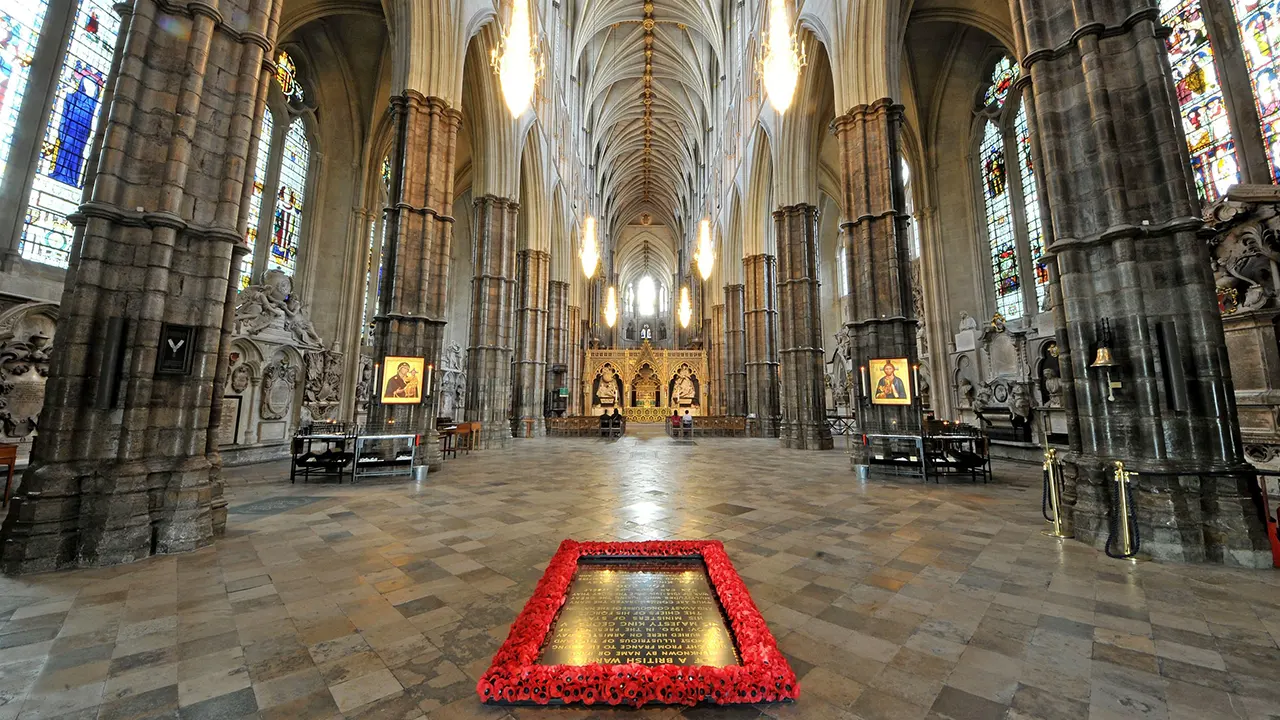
x=684, y=392
x=608, y=389
x=273, y=304
x=1053, y=387
x=1020, y=401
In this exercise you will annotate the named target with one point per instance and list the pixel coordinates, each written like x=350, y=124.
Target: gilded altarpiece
x=646, y=384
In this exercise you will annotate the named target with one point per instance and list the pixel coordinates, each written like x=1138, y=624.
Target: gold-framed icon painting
x=402, y=380
x=890, y=381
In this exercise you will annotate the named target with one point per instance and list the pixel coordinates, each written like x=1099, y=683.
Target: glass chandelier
x=686, y=308
x=611, y=307
x=705, y=257
x=781, y=58
x=515, y=60
x=590, y=251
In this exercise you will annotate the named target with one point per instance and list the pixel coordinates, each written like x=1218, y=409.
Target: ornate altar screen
x=645, y=384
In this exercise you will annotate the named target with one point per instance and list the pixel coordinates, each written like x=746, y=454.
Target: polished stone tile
x=892, y=599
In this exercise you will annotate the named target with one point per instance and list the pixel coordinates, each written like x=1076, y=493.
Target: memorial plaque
x=649, y=611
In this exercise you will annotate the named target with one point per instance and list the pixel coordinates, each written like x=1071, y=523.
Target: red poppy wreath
x=516, y=676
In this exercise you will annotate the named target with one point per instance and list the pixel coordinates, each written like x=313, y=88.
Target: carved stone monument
x=280, y=376
x=26, y=332
x=1245, y=246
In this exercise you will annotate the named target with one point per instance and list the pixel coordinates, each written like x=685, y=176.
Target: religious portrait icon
x=402, y=380
x=890, y=382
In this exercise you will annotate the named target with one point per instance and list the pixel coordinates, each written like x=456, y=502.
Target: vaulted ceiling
x=647, y=68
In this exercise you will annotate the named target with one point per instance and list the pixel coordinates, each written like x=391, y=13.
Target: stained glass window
x=1004, y=241
x=1002, y=79
x=20, y=22
x=287, y=76
x=59, y=180
x=1031, y=205
x=255, y=196
x=366, y=332
x=1260, y=33
x=289, y=200
x=1204, y=113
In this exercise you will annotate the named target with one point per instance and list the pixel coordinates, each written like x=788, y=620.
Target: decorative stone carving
x=24, y=365
x=1245, y=259
x=364, y=385
x=26, y=332
x=1020, y=401
x=844, y=343
x=239, y=374
x=323, y=389
x=279, y=380
x=271, y=309
x=453, y=381
x=1246, y=249
x=683, y=389
x=917, y=301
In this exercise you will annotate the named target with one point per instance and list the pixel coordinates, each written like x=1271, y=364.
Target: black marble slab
x=650, y=611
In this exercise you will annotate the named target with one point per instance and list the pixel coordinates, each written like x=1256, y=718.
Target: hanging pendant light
x=686, y=308
x=590, y=251
x=611, y=307
x=515, y=61
x=781, y=58
x=705, y=257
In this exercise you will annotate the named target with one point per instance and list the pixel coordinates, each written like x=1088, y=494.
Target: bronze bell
x=1103, y=359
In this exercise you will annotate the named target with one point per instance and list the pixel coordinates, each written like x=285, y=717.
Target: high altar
x=645, y=384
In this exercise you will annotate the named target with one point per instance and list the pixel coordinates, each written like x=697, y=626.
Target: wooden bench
x=582, y=426
x=710, y=426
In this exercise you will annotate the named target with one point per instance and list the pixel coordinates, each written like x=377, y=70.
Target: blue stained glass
x=287, y=226
x=59, y=181
x=20, y=22
x=255, y=196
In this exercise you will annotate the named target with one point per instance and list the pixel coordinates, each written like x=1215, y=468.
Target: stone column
x=803, y=395
x=557, y=334
x=1126, y=252
x=489, y=348
x=735, y=349
x=716, y=361
x=416, y=253
x=121, y=468
x=880, y=309
x=761, y=322
x=532, y=267
x=575, y=360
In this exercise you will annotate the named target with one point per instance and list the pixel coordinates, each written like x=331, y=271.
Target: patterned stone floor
x=893, y=600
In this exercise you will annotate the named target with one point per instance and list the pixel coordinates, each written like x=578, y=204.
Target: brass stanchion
x=1053, y=476
x=1125, y=522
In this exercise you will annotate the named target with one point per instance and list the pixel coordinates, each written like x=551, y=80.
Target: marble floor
x=893, y=600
